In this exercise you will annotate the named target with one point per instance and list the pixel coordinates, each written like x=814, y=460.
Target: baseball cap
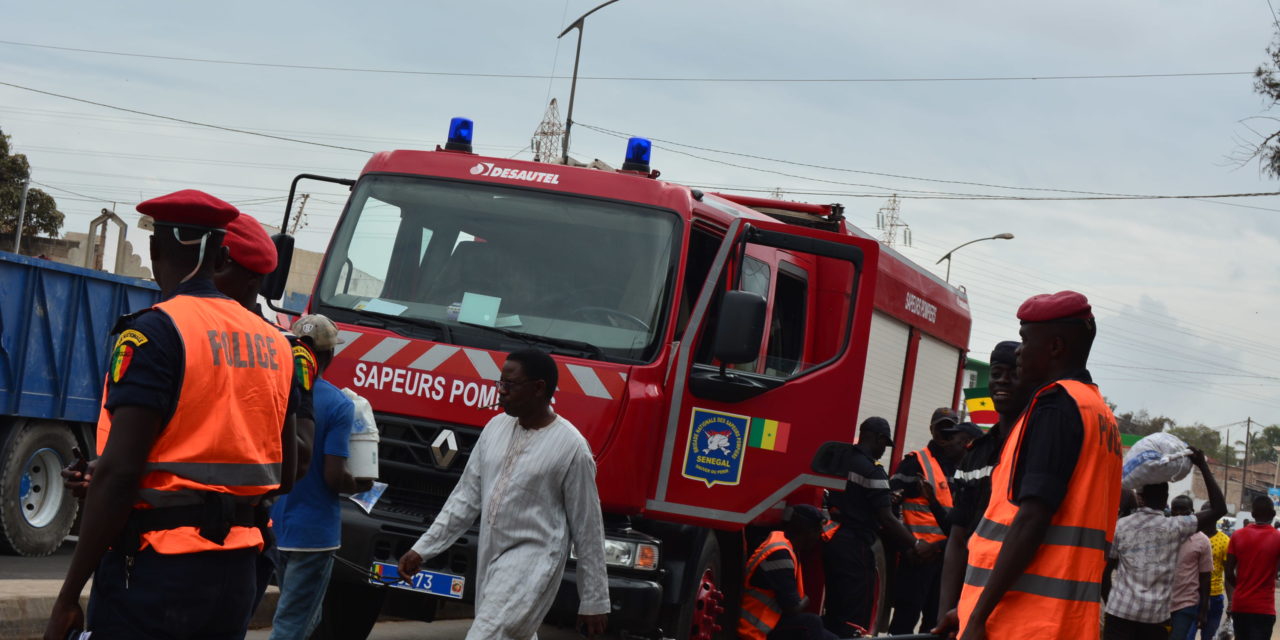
x=877, y=426
x=947, y=416
x=970, y=428
x=320, y=329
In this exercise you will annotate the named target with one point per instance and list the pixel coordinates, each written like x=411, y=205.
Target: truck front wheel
x=36, y=512
x=703, y=615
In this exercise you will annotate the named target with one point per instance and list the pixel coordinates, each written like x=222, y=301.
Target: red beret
x=249, y=245
x=1050, y=307
x=190, y=208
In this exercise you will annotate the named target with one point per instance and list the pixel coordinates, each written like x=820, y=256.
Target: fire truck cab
x=707, y=344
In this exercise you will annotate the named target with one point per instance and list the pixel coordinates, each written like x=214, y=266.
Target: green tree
x=1262, y=446
x=1142, y=423
x=42, y=216
x=1207, y=440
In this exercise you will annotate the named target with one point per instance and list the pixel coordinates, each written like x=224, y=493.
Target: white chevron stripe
x=483, y=362
x=347, y=338
x=589, y=381
x=385, y=349
x=434, y=357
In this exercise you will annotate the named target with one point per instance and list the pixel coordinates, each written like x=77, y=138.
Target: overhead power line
x=184, y=121
x=538, y=76
x=907, y=193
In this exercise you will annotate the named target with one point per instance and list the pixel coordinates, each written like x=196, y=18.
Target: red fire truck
x=708, y=345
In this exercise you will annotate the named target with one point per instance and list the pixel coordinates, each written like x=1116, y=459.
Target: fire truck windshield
x=489, y=266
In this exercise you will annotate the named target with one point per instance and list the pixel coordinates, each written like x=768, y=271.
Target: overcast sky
x=1186, y=291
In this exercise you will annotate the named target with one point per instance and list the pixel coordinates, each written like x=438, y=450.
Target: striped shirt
x=1146, y=546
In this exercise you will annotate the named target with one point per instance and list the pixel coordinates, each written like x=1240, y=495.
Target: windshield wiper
x=533, y=340
x=380, y=320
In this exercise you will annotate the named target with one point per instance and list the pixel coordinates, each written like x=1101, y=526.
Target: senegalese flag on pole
x=769, y=435
x=982, y=410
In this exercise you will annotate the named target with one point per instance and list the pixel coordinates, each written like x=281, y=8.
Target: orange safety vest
x=1057, y=595
x=225, y=432
x=760, y=609
x=829, y=530
x=915, y=511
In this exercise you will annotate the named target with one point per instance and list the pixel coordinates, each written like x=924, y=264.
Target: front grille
x=417, y=486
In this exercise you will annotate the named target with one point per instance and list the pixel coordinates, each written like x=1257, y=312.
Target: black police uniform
x=847, y=558
x=163, y=594
x=916, y=587
x=971, y=484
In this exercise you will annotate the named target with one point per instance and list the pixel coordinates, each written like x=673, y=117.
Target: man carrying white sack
x=1144, y=555
x=532, y=476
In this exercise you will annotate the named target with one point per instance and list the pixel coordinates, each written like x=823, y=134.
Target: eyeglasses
x=507, y=385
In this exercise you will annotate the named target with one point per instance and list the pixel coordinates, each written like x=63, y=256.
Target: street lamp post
x=1000, y=236
x=573, y=85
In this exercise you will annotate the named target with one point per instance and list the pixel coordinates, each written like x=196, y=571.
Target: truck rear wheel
x=702, y=617
x=36, y=512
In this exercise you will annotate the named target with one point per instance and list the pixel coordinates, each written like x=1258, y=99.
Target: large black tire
x=350, y=611
x=880, y=610
x=36, y=511
x=691, y=623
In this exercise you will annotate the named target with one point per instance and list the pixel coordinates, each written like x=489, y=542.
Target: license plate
x=435, y=583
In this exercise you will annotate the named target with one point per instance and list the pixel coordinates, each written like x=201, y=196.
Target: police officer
x=864, y=510
x=1037, y=557
x=971, y=485
x=190, y=438
x=915, y=584
x=773, y=599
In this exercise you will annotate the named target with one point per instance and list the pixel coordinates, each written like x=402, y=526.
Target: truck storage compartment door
x=886, y=361
x=937, y=371
x=740, y=436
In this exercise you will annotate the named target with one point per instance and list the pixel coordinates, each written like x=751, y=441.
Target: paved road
x=441, y=630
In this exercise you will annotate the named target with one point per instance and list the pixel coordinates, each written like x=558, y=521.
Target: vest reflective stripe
x=1057, y=596
x=1066, y=536
x=870, y=483
x=974, y=475
x=232, y=474
x=224, y=434
x=916, y=513
x=760, y=609
x=1041, y=586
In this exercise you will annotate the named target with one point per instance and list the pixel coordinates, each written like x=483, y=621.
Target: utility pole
x=1228, y=452
x=573, y=85
x=298, y=221
x=22, y=213
x=1244, y=473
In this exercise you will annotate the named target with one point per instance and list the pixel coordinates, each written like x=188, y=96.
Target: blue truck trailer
x=55, y=321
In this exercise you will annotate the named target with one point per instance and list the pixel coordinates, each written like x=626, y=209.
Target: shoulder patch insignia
x=133, y=337
x=305, y=367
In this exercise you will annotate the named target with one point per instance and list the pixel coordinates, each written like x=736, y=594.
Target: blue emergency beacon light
x=638, y=151
x=460, y=133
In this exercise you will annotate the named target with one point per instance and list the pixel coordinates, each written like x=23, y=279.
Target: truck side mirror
x=273, y=284
x=740, y=327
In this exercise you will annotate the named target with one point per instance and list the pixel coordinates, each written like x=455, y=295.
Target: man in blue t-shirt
x=307, y=520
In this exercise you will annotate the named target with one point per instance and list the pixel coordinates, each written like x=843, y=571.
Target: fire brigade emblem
x=717, y=441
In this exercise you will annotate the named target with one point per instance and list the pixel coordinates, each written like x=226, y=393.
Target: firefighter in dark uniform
x=191, y=436
x=864, y=511
x=971, y=486
x=773, y=599
x=924, y=479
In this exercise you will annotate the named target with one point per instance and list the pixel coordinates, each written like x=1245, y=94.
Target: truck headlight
x=627, y=554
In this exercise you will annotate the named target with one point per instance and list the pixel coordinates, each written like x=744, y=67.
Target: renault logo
x=445, y=448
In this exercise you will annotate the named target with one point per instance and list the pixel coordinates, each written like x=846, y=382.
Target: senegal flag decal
x=120, y=359
x=305, y=366
x=982, y=410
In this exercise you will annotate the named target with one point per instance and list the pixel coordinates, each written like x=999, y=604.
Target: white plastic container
x=362, y=459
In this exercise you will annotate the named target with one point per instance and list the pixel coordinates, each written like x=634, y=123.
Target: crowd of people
x=1021, y=530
